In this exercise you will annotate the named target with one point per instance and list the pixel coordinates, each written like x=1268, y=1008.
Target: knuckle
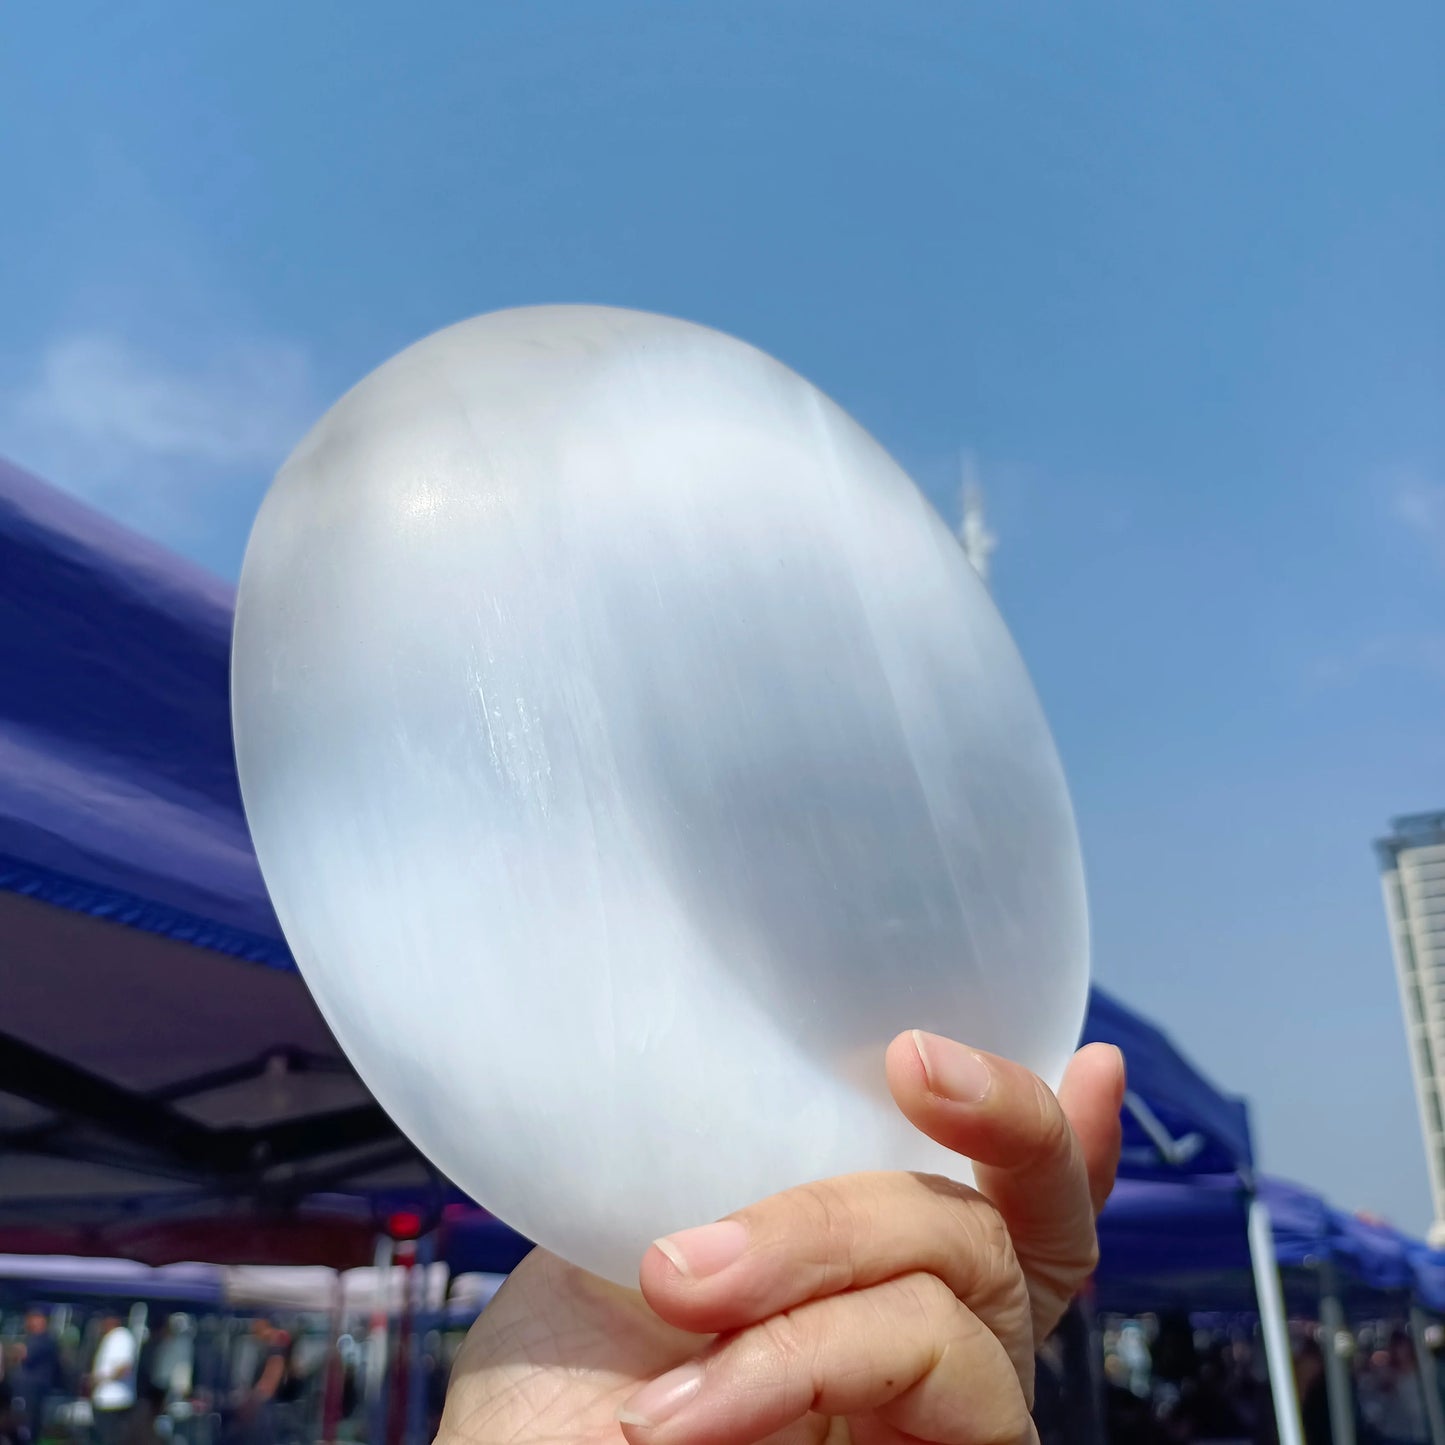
x=1001, y=1288
x=830, y=1223
x=986, y=1235
x=926, y=1296
x=785, y=1343
x=993, y=1233
x=1065, y=1269
x=978, y=1259
x=1052, y=1136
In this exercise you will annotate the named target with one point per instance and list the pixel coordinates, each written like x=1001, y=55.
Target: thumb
x=1045, y=1162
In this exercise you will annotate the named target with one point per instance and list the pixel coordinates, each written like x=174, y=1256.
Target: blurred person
x=72, y=1358
x=143, y=1425
x=351, y=1393
x=255, y=1420
x=1314, y=1400
x=113, y=1379
x=1050, y=1412
x=1205, y=1410
x=168, y=1358
x=1312, y=1385
x=1175, y=1357
x=289, y=1399
x=1251, y=1392
x=1133, y=1350
x=36, y=1378
x=1128, y=1416
x=1393, y=1394
x=9, y=1432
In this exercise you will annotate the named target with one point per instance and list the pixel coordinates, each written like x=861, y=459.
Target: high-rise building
x=1412, y=866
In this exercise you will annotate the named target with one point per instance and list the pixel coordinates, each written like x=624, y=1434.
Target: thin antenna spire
x=979, y=544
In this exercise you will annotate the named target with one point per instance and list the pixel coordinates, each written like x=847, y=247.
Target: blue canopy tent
x=159, y=1056
x=157, y=1042
x=1178, y=1244
x=1427, y=1267
x=1183, y=1244
x=1186, y=1245
x=1175, y=1119
x=167, y=1088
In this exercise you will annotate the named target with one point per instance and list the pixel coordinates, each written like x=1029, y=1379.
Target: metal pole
x=1427, y=1372
x=335, y=1368
x=1336, y=1330
x=1272, y=1323
x=378, y=1345
x=416, y=1396
x=1083, y=1372
x=405, y=1342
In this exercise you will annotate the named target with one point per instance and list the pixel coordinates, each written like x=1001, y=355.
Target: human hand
x=871, y=1308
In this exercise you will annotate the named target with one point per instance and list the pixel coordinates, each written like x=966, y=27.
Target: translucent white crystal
x=631, y=752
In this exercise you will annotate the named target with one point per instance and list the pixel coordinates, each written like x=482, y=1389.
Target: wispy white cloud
x=1420, y=505
x=154, y=440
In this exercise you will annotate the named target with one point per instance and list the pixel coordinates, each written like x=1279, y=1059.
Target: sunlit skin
x=867, y=1309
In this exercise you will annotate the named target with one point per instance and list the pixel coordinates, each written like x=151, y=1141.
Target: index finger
x=836, y=1236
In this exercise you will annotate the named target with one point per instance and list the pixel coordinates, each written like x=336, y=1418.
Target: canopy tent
x=57, y=1277
x=1175, y=1119
x=1183, y=1244
x=1194, y=1245
x=158, y=1230
x=1427, y=1266
x=157, y=1049
x=167, y=1088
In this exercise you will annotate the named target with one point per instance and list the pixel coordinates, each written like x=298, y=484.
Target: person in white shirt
x=112, y=1379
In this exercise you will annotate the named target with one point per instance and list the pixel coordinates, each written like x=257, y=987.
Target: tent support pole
x=335, y=1366
x=397, y=1411
x=416, y=1395
x=1272, y=1322
x=1083, y=1372
x=1334, y=1326
x=378, y=1347
x=1427, y=1372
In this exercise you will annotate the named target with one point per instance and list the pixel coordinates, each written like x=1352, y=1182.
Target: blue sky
x=1170, y=273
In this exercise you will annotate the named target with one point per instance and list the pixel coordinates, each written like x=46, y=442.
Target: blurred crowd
x=105, y=1378
x=1169, y=1382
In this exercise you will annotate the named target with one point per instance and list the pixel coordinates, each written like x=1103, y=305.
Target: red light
x=404, y=1226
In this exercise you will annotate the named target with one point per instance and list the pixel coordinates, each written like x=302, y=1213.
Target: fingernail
x=953, y=1072
x=1122, y=1065
x=659, y=1400
x=697, y=1253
